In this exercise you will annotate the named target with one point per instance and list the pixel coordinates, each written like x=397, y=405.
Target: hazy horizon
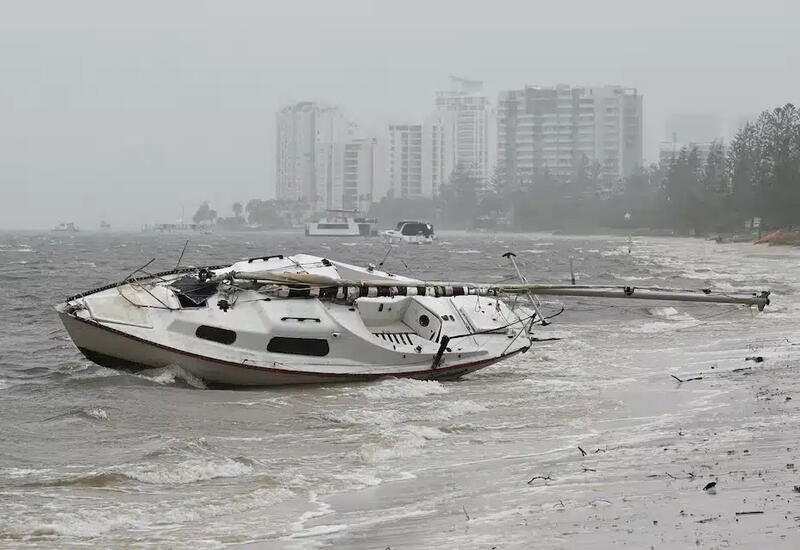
x=130, y=112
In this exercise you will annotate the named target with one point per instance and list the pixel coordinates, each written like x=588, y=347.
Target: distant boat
x=105, y=225
x=68, y=227
x=410, y=232
x=342, y=223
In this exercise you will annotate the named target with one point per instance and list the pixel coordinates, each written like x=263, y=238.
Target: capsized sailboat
x=306, y=319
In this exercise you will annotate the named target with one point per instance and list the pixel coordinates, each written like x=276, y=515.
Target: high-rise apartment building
x=360, y=174
x=415, y=159
x=310, y=149
x=562, y=130
x=467, y=122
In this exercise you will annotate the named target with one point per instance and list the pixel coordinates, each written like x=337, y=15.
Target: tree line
x=264, y=214
x=758, y=177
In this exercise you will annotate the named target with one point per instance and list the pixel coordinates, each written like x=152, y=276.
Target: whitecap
x=404, y=442
x=188, y=471
x=359, y=480
x=724, y=286
x=86, y=522
x=96, y=413
x=367, y=416
x=402, y=388
x=18, y=473
x=171, y=374
x=630, y=277
x=663, y=311
x=455, y=409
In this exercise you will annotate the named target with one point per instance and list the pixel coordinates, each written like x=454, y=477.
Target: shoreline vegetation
x=744, y=191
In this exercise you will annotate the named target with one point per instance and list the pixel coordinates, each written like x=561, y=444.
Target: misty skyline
x=130, y=111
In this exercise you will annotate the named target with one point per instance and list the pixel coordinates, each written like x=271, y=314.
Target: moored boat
x=409, y=232
x=342, y=223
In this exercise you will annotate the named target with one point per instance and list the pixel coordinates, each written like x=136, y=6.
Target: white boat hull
x=393, y=237
x=341, y=227
x=116, y=349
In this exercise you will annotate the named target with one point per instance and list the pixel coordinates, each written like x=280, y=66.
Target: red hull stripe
x=472, y=365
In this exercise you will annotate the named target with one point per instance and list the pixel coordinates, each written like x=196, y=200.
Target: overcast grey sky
x=130, y=110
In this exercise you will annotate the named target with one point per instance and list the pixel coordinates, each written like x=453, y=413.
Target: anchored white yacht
x=410, y=232
x=342, y=223
x=293, y=319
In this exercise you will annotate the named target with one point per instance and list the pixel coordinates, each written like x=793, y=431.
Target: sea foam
x=402, y=388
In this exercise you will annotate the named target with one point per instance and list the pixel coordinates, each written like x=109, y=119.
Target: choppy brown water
x=89, y=456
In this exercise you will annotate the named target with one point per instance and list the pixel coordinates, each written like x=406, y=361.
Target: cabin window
x=424, y=320
x=416, y=228
x=299, y=346
x=333, y=225
x=216, y=334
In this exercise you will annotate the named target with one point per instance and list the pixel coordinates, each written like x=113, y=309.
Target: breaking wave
x=400, y=443
x=96, y=412
x=366, y=416
x=402, y=388
x=172, y=374
x=86, y=522
x=181, y=473
x=189, y=471
x=666, y=312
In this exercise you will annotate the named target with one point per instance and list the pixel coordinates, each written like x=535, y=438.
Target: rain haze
x=135, y=112
x=352, y=274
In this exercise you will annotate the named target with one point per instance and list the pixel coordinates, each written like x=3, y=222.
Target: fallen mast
x=299, y=283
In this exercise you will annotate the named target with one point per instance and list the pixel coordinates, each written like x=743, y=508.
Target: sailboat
x=307, y=319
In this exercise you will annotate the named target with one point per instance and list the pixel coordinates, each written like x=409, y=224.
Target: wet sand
x=641, y=482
